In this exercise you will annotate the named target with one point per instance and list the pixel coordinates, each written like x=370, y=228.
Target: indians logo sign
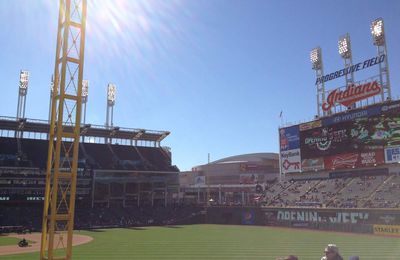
x=352, y=94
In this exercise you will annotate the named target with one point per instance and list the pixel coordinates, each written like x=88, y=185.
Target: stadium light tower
x=23, y=90
x=345, y=51
x=111, y=95
x=85, y=94
x=316, y=61
x=379, y=40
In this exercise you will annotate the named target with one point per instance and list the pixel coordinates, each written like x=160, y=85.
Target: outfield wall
x=378, y=221
x=336, y=216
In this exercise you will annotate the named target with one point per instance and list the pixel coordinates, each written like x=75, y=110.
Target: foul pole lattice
x=59, y=205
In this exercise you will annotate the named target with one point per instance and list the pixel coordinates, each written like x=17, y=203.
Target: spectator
x=332, y=253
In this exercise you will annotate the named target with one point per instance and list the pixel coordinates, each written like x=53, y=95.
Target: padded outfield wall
x=377, y=221
x=356, y=139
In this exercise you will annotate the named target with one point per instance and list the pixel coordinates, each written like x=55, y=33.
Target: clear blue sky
x=215, y=73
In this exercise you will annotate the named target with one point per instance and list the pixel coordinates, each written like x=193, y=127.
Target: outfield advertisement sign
x=341, y=161
x=289, y=138
x=387, y=230
x=355, y=160
x=340, y=216
x=314, y=164
x=315, y=216
x=392, y=154
x=324, y=141
x=310, y=125
x=355, y=139
x=371, y=111
x=248, y=218
x=371, y=158
x=291, y=161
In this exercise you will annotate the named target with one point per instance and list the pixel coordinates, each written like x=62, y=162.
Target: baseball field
x=221, y=242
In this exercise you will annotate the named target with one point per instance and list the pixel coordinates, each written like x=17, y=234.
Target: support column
x=219, y=195
x=109, y=195
x=93, y=187
x=138, y=196
x=165, y=196
x=152, y=194
x=124, y=195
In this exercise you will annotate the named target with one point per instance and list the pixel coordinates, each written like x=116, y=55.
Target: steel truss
x=59, y=205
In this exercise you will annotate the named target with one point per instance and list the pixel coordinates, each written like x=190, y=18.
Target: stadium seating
x=387, y=195
x=33, y=153
x=371, y=191
x=8, y=151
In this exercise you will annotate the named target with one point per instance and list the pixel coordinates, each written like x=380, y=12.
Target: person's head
x=331, y=251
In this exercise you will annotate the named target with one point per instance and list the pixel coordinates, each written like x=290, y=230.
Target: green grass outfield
x=225, y=242
x=6, y=241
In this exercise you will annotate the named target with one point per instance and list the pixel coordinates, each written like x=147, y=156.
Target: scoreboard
x=357, y=138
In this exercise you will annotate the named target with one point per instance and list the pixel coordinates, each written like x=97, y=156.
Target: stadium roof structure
x=251, y=157
x=88, y=130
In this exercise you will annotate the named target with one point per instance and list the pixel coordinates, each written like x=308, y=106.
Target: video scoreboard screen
x=353, y=139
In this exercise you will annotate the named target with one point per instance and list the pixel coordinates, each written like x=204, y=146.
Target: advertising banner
x=382, y=218
x=371, y=158
x=361, y=134
x=325, y=141
x=378, y=130
x=391, y=108
x=355, y=160
x=315, y=164
x=392, y=154
x=289, y=138
x=310, y=125
x=315, y=216
x=200, y=180
x=387, y=230
x=248, y=218
x=351, y=115
x=374, y=110
x=341, y=161
x=290, y=161
x=351, y=139
x=387, y=219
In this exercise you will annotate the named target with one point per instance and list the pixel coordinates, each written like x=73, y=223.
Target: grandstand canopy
x=42, y=126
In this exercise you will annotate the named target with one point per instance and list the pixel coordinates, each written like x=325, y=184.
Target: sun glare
x=130, y=28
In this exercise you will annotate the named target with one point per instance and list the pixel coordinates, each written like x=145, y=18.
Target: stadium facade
x=232, y=180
